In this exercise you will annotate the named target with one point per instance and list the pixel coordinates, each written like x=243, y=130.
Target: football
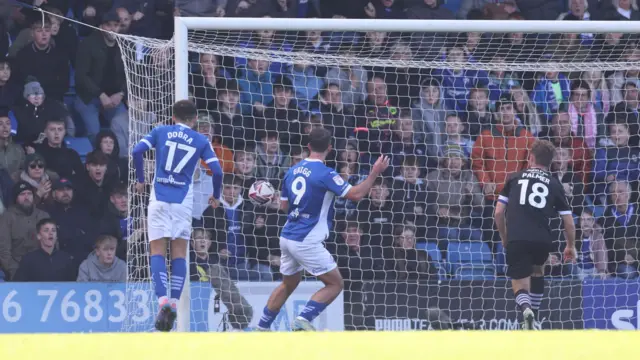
x=261, y=193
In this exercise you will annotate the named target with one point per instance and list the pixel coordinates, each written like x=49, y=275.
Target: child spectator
x=64, y=33
x=202, y=255
x=9, y=88
x=454, y=136
x=478, y=112
x=551, y=90
x=102, y=265
x=47, y=263
x=107, y=143
x=429, y=114
x=204, y=126
x=525, y=110
x=115, y=219
x=500, y=81
x=255, y=85
x=306, y=83
x=11, y=154
x=375, y=44
x=36, y=175
x=59, y=158
x=33, y=113
x=244, y=168
x=271, y=162
x=617, y=160
x=403, y=262
x=297, y=154
x=592, y=256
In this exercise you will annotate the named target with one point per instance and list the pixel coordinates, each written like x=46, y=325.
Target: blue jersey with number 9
x=178, y=151
x=310, y=188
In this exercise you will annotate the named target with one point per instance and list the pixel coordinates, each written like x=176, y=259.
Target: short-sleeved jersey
x=310, y=188
x=533, y=197
x=178, y=151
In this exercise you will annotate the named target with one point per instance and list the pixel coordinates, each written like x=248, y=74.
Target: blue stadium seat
x=467, y=252
x=475, y=272
x=436, y=256
x=80, y=144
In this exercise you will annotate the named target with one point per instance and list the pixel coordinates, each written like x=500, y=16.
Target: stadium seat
x=475, y=272
x=466, y=252
x=81, y=145
x=436, y=257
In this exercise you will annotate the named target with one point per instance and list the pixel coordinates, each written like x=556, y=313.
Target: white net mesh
x=456, y=113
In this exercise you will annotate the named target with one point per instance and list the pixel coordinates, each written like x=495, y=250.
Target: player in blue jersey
x=179, y=148
x=308, y=192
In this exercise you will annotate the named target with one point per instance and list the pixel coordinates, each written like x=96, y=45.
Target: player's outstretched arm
x=361, y=190
x=570, y=236
x=501, y=222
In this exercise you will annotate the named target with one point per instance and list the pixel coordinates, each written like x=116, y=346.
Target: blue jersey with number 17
x=178, y=151
x=310, y=188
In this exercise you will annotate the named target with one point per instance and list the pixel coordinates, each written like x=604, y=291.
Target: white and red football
x=261, y=193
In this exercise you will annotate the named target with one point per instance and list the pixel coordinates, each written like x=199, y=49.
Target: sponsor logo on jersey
x=338, y=180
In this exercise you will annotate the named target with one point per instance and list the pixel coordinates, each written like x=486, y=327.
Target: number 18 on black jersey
x=533, y=197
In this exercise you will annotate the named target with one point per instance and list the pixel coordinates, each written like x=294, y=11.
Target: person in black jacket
x=282, y=115
x=44, y=60
x=76, y=228
x=35, y=110
x=46, y=263
x=356, y=260
x=100, y=78
x=58, y=157
x=403, y=262
x=92, y=188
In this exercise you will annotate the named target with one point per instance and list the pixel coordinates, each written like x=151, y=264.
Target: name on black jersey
x=536, y=175
x=180, y=135
x=302, y=170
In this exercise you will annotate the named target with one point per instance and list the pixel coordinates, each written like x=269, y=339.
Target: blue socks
x=312, y=310
x=159, y=276
x=178, y=273
x=267, y=318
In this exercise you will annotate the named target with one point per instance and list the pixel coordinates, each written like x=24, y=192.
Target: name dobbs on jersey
x=180, y=135
x=536, y=175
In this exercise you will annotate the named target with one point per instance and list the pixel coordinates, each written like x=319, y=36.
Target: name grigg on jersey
x=538, y=176
x=302, y=170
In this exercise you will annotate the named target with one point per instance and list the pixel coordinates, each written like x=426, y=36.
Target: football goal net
x=455, y=104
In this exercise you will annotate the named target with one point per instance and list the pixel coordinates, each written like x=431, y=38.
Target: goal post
x=223, y=37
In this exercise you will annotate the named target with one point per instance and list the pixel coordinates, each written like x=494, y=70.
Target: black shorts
x=523, y=255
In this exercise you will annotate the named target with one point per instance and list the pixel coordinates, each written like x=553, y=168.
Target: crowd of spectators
x=453, y=134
